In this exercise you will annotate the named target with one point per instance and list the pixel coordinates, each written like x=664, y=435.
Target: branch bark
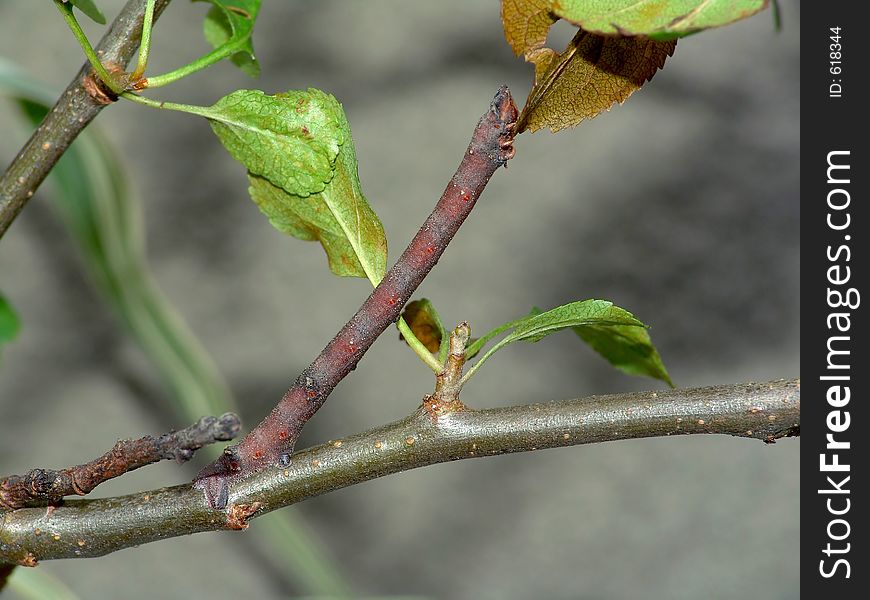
x=46, y=487
x=272, y=441
x=74, y=111
x=89, y=528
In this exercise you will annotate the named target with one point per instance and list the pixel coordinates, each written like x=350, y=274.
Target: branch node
x=238, y=515
x=97, y=89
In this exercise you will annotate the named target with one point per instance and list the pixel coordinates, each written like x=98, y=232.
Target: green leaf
x=291, y=139
x=9, y=323
x=612, y=331
x=89, y=9
x=228, y=27
x=425, y=323
x=477, y=345
x=302, y=167
x=627, y=347
x=656, y=19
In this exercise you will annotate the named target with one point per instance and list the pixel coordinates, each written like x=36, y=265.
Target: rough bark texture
x=271, y=442
x=45, y=487
x=88, y=528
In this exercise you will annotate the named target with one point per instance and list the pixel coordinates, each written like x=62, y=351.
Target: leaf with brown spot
x=589, y=77
x=526, y=23
x=424, y=321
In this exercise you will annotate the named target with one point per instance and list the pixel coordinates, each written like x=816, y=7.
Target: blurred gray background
x=682, y=206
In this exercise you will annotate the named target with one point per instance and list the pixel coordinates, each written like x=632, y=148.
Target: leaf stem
x=192, y=109
x=199, y=64
x=82, y=38
x=419, y=349
x=145, y=43
x=470, y=373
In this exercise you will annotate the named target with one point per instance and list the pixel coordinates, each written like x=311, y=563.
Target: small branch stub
x=448, y=383
x=45, y=487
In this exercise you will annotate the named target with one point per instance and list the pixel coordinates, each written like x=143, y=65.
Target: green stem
x=479, y=343
x=199, y=64
x=470, y=373
x=68, y=16
x=201, y=111
x=145, y=43
x=418, y=347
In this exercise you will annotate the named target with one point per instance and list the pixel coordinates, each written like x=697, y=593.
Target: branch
x=44, y=487
x=76, y=108
x=272, y=441
x=89, y=528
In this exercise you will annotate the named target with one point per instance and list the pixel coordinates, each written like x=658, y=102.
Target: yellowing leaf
x=526, y=23
x=589, y=77
x=424, y=321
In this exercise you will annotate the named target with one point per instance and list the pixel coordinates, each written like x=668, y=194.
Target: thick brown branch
x=86, y=528
x=74, y=111
x=271, y=442
x=44, y=487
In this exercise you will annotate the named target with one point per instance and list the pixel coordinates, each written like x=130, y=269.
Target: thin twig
x=45, y=487
x=88, y=528
x=75, y=109
x=271, y=442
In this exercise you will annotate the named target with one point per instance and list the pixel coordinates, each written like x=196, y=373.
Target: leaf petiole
x=145, y=43
x=199, y=64
x=82, y=38
x=192, y=109
x=419, y=349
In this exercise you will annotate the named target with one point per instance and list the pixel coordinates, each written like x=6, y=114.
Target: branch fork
x=272, y=441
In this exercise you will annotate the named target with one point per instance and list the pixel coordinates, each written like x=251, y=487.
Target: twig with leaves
x=301, y=164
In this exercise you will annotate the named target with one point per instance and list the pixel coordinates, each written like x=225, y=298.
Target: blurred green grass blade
x=277, y=534
x=38, y=584
x=10, y=324
x=96, y=204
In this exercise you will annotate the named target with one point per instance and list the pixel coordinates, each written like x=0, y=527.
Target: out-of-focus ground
x=682, y=206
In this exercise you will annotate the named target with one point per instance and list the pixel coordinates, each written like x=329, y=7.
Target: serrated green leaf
x=425, y=323
x=9, y=323
x=612, y=331
x=656, y=19
x=228, y=27
x=290, y=139
x=89, y=9
x=302, y=167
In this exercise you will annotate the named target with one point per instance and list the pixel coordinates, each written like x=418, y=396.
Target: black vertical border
x=833, y=124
